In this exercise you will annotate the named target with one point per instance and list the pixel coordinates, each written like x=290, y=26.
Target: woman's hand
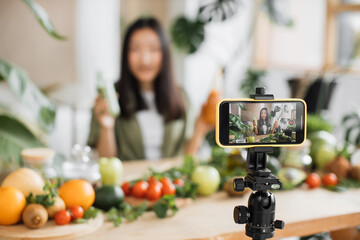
x=201, y=129
x=101, y=111
x=201, y=126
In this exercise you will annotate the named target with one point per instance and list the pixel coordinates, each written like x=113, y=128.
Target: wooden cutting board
x=180, y=202
x=51, y=231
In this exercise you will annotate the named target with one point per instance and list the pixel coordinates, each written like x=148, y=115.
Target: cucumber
x=108, y=196
x=107, y=91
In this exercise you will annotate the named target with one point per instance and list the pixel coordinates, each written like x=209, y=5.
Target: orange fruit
x=77, y=192
x=210, y=107
x=12, y=204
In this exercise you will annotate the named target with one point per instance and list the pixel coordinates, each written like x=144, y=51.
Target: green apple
x=208, y=179
x=111, y=170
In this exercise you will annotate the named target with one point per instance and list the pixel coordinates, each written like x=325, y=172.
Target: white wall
x=220, y=48
x=97, y=50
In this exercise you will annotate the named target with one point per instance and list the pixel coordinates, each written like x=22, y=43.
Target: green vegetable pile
x=277, y=138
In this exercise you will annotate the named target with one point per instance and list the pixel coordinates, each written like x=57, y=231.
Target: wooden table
x=305, y=212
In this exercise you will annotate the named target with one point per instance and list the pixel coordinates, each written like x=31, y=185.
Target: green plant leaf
x=29, y=94
x=164, y=204
x=277, y=15
x=14, y=137
x=187, y=35
x=220, y=10
x=242, y=106
x=43, y=18
x=350, y=116
x=252, y=80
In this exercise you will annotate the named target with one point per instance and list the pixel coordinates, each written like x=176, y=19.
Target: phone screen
x=257, y=122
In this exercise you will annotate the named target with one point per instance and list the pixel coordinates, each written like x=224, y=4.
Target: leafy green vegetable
x=43, y=18
x=125, y=210
x=165, y=203
x=91, y=212
x=277, y=138
x=317, y=123
x=114, y=216
x=188, y=166
x=48, y=198
x=188, y=190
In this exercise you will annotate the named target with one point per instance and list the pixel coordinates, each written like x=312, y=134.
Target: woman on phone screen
x=263, y=126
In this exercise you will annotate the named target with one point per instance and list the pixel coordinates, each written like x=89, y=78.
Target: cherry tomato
x=154, y=191
x=126, y=187
x=139, y=189
x=152, y=179
x=76, y=212
x=165, y=180
x=179, y=182
x=168, y=188
x=330, y=180
x=62, y=217
x=313, y=180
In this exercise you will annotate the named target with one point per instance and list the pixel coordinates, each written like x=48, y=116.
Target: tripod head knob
x=279, y=224
x=238, y=184
x=241, y=214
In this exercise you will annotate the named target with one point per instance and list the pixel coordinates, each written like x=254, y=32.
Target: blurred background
x=315, y=56
x=51, y=53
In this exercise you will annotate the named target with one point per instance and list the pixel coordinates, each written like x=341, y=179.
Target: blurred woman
x=156, y=120
x=263, y=124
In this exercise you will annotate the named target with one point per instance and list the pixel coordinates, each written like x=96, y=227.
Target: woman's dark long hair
x=168, y=97
x=267, y=120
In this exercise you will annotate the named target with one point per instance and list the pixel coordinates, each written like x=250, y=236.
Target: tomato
x=154, y=191
x=126, y=187
x=165, y=180
x=179, y=182
x=152, y=179
x=76, y=212
x=168, y=188
x=62, y=217
x=139, y=189
x=313, y=180
x=330, y=180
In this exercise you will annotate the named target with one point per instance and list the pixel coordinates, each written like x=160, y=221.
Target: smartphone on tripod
x=261, y=123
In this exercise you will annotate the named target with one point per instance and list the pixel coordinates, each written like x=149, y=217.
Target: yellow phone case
x=259, y=145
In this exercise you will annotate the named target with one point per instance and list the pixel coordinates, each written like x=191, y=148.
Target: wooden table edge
x=303, y=228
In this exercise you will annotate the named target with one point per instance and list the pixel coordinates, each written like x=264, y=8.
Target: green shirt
x=129, y=138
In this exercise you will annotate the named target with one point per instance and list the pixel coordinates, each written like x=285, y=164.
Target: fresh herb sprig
x=164, y=204
x=125, y=211
x=48, y=198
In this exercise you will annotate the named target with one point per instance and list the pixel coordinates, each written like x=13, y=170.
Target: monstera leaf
x=43, y=18
x=16, y=135
x=187, y=35
x=277, y=15
x=29, y=94
x=220, y=10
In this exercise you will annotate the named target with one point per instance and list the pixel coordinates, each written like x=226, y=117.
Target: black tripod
x=260, y=214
